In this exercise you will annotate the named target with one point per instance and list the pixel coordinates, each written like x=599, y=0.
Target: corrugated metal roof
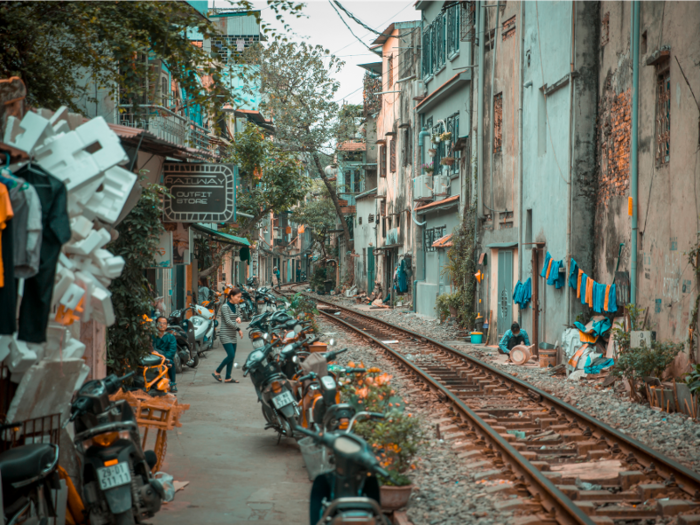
x=444, y=242
x=435, y=204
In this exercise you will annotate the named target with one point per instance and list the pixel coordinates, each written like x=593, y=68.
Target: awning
x=438, y=205
x=502, y=245
x=444, y=242
x=449, y=87
x=222, y=237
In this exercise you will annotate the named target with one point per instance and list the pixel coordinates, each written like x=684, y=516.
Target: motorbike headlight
x=197, y=321
x=258, y=343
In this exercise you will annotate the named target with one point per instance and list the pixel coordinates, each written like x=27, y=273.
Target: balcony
x=167, y=125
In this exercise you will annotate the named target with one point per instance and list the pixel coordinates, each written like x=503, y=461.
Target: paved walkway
x=236, y=470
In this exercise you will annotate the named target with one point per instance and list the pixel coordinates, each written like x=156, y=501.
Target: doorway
x=505, y=291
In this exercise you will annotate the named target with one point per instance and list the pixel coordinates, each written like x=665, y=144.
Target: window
x=440, y=24
x=370, y=218
x=407, y=147
x=164, y=91
x=432, y=235
x=453, y=127
x=390, y=71
x=392, y=155
x=663, y=117
x=359, y=221
x=605, y=30
x=439, y=148
x=467, y=21
x=426, y=62
x=453, y=29
x=382, y=161
x=508, y=28
x=357, y=182
x=384, y=227
x=498, y=123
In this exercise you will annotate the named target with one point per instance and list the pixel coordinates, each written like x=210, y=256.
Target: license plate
x=114, y=476
x=284, y=399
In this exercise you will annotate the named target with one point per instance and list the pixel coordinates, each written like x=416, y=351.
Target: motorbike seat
x=150, y=360
x=25, y=462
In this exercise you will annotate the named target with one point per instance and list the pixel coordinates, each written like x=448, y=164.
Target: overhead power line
x=357, y=20
x=346, y=25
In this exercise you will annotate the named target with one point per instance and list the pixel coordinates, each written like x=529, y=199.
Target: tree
x=55, y=46
x=299, y=92
x=317, y=214
x=271, y=180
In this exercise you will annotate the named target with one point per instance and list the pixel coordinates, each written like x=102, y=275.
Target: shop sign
x=200, y=192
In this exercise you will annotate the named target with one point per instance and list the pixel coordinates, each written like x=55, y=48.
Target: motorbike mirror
x=266, y=336
x=331, y=342
x=297, y=329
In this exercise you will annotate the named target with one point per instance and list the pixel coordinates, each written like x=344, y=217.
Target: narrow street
x=236, y=471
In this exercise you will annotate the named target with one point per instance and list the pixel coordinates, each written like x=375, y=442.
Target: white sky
x=323, y=27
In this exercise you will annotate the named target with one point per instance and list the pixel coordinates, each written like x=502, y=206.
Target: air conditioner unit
x=441, y=186
x=419, y=88
x=278, y=233
x=423, y=187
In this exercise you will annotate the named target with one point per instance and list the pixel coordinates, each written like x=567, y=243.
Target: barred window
x=390, y=71
x=663, y=117
x=453, y=29
x=426, y=65
x=498, y=123
x=392, y=155
x=432, y=235
x=382, y=161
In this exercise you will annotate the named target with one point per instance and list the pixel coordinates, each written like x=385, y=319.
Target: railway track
x=576, y=468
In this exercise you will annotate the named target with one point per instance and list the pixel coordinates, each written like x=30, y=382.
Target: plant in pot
x=432, y=152
x=446, y=137
x=435, y=139
x=447, y=161
x=395, y=440
x=447, y=305
x=428, y=168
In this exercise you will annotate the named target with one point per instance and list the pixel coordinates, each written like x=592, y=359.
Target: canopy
x=222, y=237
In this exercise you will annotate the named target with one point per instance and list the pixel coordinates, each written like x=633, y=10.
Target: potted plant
x=447, y=161
x=435, y=139
x=432, y=152
x=428, y=168
x=395, y=439
x=446, y=137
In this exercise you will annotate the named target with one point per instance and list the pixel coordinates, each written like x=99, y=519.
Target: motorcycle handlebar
x=332, y=355
x=127, y=376
x=310, y=375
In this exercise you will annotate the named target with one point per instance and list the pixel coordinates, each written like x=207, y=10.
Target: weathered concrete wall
x=365, y=236
x=668, y=192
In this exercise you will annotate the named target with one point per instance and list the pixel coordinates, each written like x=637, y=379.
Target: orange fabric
x=578, y=283
x=549, y=269
x=589, y=292
x=587, y=338
x=6, y=214
x=607, y=294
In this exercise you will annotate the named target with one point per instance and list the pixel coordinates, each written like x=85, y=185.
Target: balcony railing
x=167, y=125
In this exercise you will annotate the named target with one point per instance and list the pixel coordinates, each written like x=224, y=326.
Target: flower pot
x=432, y=152
x=394, y=498
x=453, y=311
x=447, y=161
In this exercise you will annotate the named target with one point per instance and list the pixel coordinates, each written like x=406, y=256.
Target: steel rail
x=551, y=498
x=686, y=479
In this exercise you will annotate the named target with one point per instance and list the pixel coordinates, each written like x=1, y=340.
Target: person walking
x=276, y=277
x=165, y=344
x=228, y=332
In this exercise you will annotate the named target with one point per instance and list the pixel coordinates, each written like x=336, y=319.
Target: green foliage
x=318, y=277
x=694, y=260
x=461, y=266
x=56, y=46
x=129, y=338
x=443, y=303
x=692, y=379
x=317, y=213
x=301, y=306
x=635, y=364
x=272, y=179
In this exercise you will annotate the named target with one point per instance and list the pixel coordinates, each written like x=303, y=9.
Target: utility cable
x=357, y=20
x=346, y=25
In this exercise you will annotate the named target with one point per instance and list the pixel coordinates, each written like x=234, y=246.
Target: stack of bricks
x=614, y=132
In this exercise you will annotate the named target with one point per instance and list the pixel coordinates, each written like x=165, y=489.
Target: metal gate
x=370, y=270
x=505, y=291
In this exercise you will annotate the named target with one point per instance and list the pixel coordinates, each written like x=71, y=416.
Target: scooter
x=183, y=332
x=204, y=325
x=274, y=390
x=118, y=486
x=349, y=493
x=28, y=473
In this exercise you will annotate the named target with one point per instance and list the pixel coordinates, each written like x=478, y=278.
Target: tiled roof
x=443, y=242
x=352, y=146
x=438, y=203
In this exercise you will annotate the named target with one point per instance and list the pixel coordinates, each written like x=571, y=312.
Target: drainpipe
x=421, y=139
x=521, y=255
x=492, y=124
x=480, y=118
x=572, y=128
x=635, y=151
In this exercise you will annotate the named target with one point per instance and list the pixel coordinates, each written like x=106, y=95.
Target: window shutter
x=382, y=161
x=392, y=155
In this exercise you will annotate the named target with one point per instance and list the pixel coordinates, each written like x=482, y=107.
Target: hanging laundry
x=597, y=328
x=582, y=289
x=555, y=277
x=523, y=293
x=578, y=283
x=589, y=292
x=599, y=297
x=612, y=300
x=545, y=268
x=36, y=301
x=573, y=275
x=8, y=292
x=26, y=227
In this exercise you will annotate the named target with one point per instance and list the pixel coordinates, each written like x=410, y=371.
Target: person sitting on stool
x=165, y=344
x=512, y=338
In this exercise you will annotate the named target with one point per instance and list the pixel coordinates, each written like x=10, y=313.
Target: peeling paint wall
x=669, y=192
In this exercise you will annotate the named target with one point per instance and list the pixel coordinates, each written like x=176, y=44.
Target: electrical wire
x=346, y=25
x=357, y=20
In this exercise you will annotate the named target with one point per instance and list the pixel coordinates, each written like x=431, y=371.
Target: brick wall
x=614, y=130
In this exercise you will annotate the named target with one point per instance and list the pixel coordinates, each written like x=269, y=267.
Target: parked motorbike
x=28, y=473
x=183, y=330
x=152, y=375
x=118, y=487
x=274, y=390
x=349, y=493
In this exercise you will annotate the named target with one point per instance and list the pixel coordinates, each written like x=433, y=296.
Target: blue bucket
x=477, y=337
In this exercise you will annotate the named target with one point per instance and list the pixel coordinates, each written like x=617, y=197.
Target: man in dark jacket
x=512, y=338
x=165, y=344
